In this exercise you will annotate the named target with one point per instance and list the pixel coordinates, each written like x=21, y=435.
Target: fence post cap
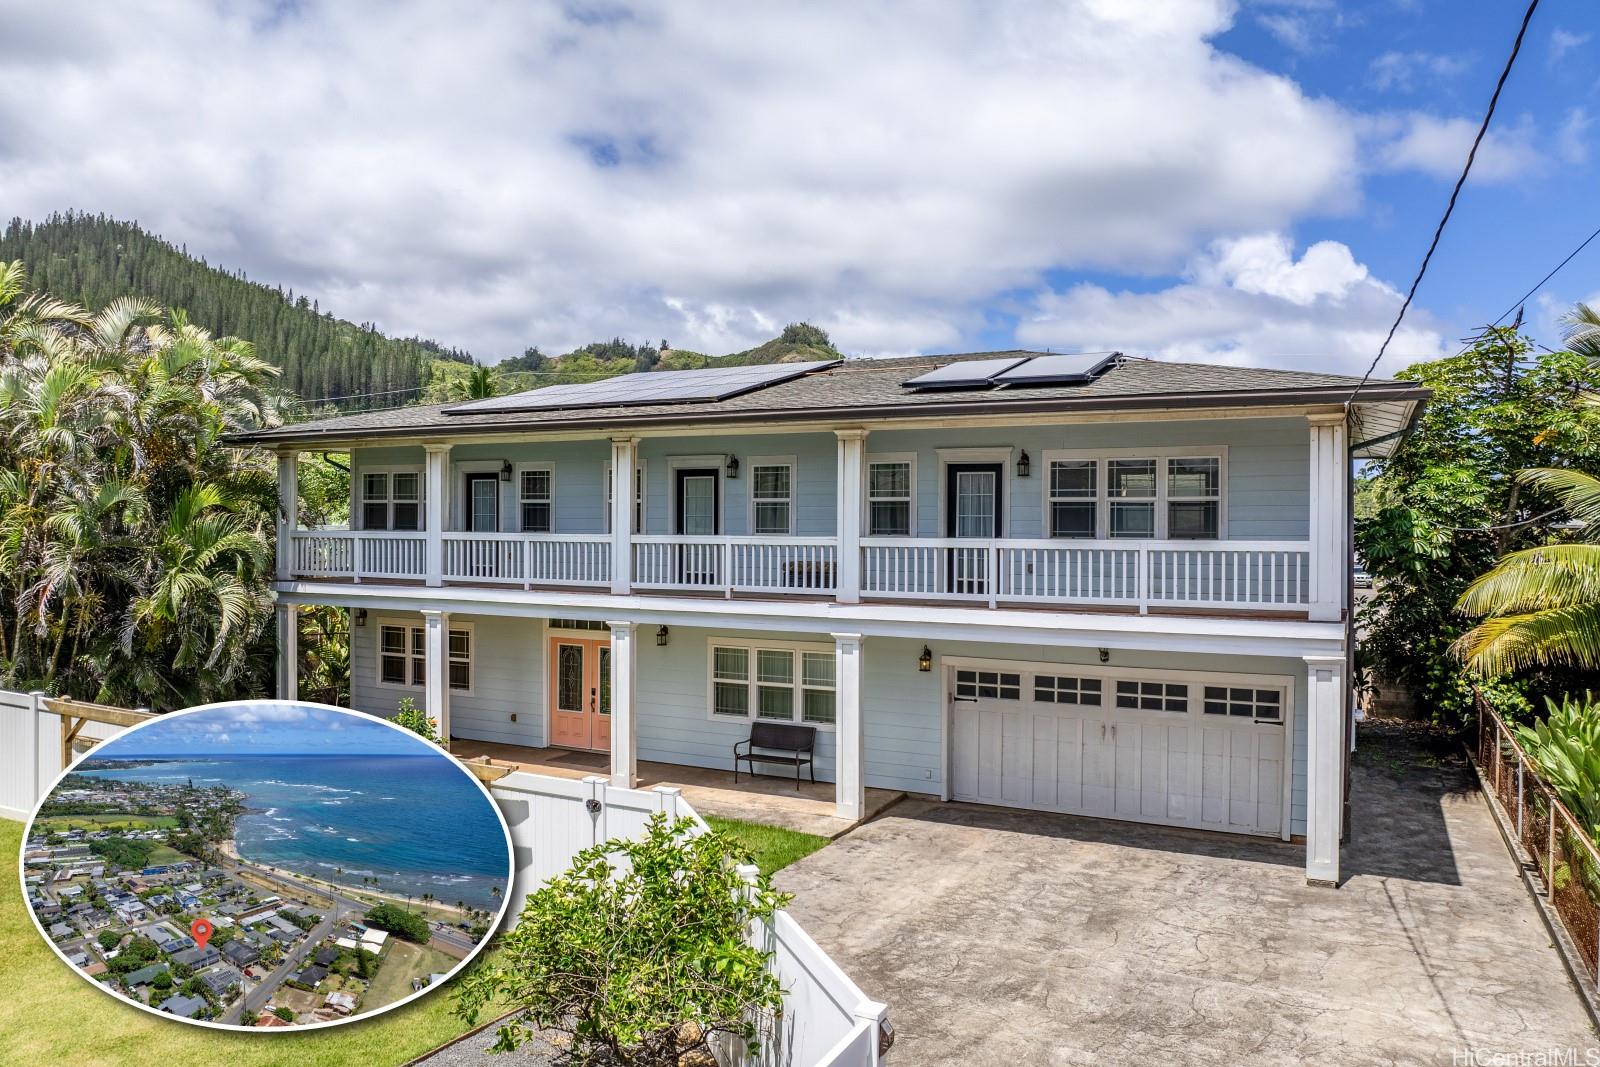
x=591, y=779
x=668, y=790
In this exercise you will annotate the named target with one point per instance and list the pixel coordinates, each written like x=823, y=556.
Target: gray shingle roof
x=866, y=388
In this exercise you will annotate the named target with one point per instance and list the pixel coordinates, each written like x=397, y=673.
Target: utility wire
x=1450, y=207
x=1555, y=270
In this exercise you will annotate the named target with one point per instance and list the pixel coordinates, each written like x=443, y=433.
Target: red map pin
x=201, y=929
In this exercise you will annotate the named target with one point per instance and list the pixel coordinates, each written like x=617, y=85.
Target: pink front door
x=580, y=693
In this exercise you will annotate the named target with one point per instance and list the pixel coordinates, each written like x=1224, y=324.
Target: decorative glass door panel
x=580, y=693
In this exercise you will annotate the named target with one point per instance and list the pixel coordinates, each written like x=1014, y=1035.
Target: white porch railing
x=528, y=559
x=736, y=564
x=358, y=554
x=1213, y=574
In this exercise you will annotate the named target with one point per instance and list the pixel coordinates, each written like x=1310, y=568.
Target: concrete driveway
x=1003, y=937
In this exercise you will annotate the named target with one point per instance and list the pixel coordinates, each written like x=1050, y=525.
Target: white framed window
x=1062, y=689
x=891, y=495
x=1153, y=696
x=535, y=499
x=772, y=495
x=775, y=681
x=391, y=498
x=988, y=685
x=639, y=483
x=1146, y=494
x=402, y=655
x=1261, y=705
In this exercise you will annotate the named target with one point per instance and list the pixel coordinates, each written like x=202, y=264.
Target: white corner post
x=1329, y=527
x=852, y=456
x=624, y=454
x=436, y=502
x=288, y=620
x=436, y=671
x=288, y=510
x=624, y=704
x=850, y=790
x=1327, y=706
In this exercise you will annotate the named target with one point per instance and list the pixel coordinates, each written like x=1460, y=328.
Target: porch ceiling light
x=733, y=467
x=1024, y=465
x=663, y=635
x=925, y=661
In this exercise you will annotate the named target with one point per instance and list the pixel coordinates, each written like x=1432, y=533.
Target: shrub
x=415, y=719
x=1566, y=749
x=639, y=952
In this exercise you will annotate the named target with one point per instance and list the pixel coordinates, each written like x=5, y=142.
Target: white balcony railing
x=807, y=565
x=528, y=560
x=358, y=554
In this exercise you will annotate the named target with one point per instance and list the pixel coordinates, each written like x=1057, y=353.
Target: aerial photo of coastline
x=266, y=865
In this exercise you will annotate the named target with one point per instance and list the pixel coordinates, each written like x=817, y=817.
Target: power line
x=1553, y=272
x=1450, y=207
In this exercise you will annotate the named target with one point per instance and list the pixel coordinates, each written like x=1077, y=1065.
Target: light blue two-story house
x=1094, y=585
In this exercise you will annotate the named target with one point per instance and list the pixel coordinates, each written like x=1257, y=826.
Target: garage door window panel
x=1153, y=696
x=1060, y=689
x=988, y=685
x=1235, y=702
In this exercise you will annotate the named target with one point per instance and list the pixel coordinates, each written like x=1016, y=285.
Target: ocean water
x=417, y=823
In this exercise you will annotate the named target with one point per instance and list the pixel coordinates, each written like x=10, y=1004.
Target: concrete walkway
x=1003, y=937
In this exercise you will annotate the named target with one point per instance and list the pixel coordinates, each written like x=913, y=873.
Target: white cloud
x=1572, y=139
x=1439, y=146
x=1406, y=72
x=1247, y=300
x=879, y=169
x=1564, y=41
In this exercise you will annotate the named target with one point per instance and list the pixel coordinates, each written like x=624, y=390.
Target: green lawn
x=773, y=846
x=60, y=1019
x=403, y=962
x=60, y=823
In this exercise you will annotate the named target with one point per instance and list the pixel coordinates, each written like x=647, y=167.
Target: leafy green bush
x=415, y=719
x=1566, y=749
x=400, y=922
x=639, y=953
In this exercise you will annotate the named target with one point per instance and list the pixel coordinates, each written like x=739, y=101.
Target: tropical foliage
x=135, y=545
x=1566, y=749
x=1449, y=503
x=638, y=952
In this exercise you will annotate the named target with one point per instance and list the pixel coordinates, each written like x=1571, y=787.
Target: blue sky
x=264, y=728
x=1248, y=182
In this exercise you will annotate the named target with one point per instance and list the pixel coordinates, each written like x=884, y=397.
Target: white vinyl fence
x=826, y=1020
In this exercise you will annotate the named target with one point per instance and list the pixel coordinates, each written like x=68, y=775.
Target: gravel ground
x=473, y=1051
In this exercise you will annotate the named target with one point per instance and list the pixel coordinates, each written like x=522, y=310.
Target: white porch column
x=624, y=706
x=850, y=790
x=624, y=451
x=288, y=619
x=288, y=509
x=1330, y=526
x=436, y=671
x=436, y=497
x=852, y=455
x=1327, y=705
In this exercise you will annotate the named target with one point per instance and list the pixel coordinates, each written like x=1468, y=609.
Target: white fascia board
x=1160, y=633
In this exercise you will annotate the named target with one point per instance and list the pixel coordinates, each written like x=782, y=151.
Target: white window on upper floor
x=890, y=484
x=772, y=491
x=534, y=490
x=1173, y=494
x=391, y=499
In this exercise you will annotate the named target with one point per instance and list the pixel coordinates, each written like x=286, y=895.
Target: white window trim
x=378, y=622
x=1004, y=455
x=866, y=491
x=358, y=488
x=641, y=475
x=751, y=646
x=457, y=520
x=747, y=470
x=516, y=491
x=1102, y=511
x=718, y=460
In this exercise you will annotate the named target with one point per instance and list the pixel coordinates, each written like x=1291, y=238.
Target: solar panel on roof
x=646, y=387
x=967, y=374
x=1056, y=369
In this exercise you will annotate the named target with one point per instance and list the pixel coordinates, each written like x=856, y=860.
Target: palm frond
x=1536, y=579
x=1578, y=492
x=1567, y=636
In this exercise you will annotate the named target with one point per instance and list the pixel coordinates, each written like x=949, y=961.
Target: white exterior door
x=1175, y=752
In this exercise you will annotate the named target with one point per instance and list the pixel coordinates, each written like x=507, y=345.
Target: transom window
x=988, y=685
x=771, y=497
x=402, y=656
x=533, y=499
x=391, y=500
x=777, y=684
x=1153, y=696
x=1145, y=497
x=1059, y=689
x=889, y=498
x=1262, y=705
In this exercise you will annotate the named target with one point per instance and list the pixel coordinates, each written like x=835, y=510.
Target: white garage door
x=1207, y=752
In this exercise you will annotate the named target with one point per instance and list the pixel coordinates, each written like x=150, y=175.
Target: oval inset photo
x=269, y=865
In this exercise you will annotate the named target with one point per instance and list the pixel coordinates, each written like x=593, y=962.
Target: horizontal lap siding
x=816, y=462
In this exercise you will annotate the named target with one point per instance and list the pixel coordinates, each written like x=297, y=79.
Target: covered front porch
x=769, y=799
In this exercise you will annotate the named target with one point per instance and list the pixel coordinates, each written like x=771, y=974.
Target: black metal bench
x=777, y=742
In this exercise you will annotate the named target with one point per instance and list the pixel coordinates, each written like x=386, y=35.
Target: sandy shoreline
x=231, y=850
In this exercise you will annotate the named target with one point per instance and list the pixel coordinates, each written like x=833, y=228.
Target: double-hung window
x=402, y=656
x=391, y=500
x=771, y=497
x=1131, y=497
x=1074, y=501
x=1143, y=497
x=779, y=684
x=889, y=498
x=533, y=499
x=1194, y=497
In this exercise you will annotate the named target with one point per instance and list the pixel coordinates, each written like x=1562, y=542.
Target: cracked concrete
x=1008, y=937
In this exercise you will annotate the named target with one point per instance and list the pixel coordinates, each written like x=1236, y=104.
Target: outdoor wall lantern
x=925, y=661
x=663, y=635
x=1023, y=465
x=733, y=467
x=505, y=471
x=361, y=616
x=1105, y=655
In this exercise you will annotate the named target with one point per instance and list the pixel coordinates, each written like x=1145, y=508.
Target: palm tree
x=479, y=384
x=1542, y=605
x=1583, y=331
